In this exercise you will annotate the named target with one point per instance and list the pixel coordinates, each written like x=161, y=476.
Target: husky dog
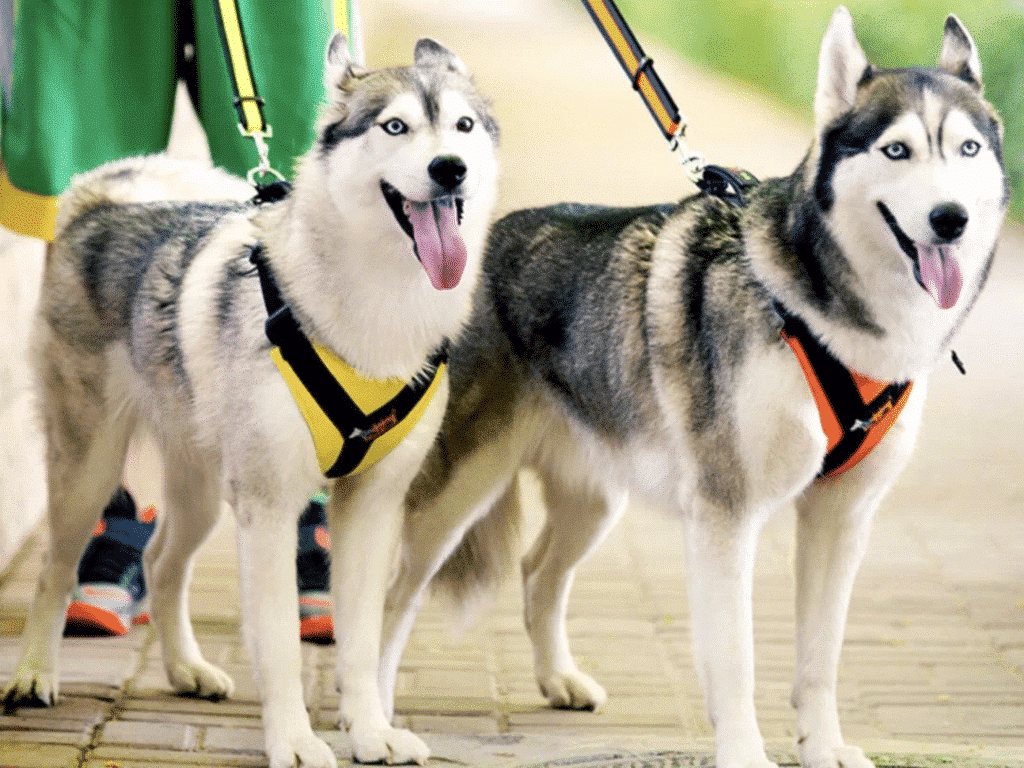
x=641, y=350
x=152, y=317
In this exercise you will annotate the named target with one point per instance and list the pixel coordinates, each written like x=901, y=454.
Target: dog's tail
x=484, y=558
x=147, y=179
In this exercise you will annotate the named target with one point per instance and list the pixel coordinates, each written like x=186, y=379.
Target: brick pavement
x=933, y=669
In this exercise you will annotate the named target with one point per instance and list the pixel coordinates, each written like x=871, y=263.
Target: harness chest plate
x=855, y=411
x=365, y=419
x=354, y=421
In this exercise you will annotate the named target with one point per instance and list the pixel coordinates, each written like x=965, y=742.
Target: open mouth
x=935, y=267
x=433, y=226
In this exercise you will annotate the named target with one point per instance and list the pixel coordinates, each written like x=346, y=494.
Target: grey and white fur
x=152, y=319
x=638, y=351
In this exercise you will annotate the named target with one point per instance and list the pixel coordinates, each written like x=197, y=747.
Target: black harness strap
x=358, y=428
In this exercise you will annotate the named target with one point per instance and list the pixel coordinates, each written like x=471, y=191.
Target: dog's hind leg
x=721, y=544
x=481, y=487
x=88, y=423
x=578, y=519
x=192, y=495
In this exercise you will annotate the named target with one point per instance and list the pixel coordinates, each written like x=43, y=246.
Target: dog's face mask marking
x=910, y=163
x=429, y=146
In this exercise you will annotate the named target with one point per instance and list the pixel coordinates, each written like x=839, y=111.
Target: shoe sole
x=317, y=629
x=84, y=619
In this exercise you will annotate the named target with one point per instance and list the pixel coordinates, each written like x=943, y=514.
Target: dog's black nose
x=948, y=220
x=447, y=170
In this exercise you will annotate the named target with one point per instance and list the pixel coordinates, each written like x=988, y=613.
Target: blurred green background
x=774, y=45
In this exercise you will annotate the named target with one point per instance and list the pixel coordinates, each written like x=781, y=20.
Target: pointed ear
x=430, y=53
x=841, y=67
x=959, y=56
x=337, y=62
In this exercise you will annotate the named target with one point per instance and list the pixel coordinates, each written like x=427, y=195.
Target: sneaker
x=316, y=624
x=111, y=590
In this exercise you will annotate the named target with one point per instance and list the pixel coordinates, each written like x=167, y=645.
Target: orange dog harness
x=855, y=411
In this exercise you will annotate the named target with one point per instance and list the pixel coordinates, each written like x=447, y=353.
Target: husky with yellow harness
x=722, y=359
x=266, y=346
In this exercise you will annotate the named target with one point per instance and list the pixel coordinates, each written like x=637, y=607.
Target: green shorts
x=95, y=81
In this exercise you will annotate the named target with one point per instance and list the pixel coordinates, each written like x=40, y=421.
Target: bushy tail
x=487, y=554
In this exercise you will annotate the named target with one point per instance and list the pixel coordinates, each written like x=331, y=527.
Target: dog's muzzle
x=935, y=267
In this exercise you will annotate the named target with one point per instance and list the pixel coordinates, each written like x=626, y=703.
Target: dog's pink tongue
x=940, y=273
x=435, y=228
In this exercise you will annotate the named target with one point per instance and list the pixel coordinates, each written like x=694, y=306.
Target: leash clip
x=693, y=162
x=259, y=138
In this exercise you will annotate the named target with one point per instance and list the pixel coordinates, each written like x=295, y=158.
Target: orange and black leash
x=730, y=184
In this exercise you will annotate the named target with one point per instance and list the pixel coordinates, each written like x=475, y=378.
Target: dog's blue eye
x=394, y=127
x=464, y=124
x=896, y=151
x=970, y=148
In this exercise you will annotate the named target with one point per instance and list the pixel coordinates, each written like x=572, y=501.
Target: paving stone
x=234, y=739
x=125, y=757
x=29, y=755
x=144, y=733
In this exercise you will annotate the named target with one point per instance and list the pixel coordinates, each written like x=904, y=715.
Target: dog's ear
x=430, y=53
x=959, y=56
x=337, y=62
x=842, y=65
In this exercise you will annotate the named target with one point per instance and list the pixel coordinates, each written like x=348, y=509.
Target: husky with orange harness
x=723, y=359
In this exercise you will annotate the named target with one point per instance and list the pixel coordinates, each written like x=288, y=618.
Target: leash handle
x=639, y=67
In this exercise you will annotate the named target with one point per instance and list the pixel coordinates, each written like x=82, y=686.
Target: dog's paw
x=394, y=746
x=200, y=678
x=307, y=749
x=835, y=757
x=30, y=688
x=572, y=690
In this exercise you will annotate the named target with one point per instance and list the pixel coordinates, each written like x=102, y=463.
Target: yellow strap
x=26, y=212
x=343, y=21
x=238, y=60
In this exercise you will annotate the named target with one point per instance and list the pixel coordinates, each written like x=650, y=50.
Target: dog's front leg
x=832, y=535
x=366, y=521
x=721, y=545
x=267, y=539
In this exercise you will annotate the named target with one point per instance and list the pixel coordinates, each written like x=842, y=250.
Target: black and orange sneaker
x=111, y=590
x=312, y=563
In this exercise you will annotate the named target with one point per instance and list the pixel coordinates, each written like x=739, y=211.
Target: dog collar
x=354, y=421
x=855, y=411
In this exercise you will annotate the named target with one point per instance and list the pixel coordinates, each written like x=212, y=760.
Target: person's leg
x=91, y=82
x=316, y=625
x=111, y=588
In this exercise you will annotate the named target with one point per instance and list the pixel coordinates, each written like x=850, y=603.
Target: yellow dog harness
x=354, y=421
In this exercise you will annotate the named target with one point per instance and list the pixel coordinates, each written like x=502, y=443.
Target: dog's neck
x=356, y=287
